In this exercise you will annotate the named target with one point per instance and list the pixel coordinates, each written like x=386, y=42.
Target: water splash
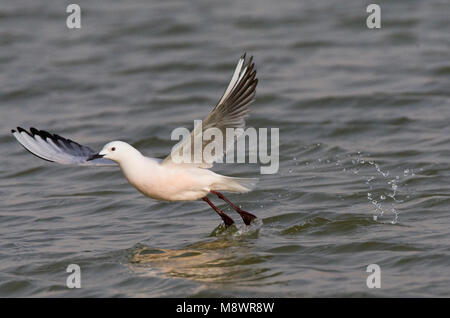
x=384, y=186
x=386, y=202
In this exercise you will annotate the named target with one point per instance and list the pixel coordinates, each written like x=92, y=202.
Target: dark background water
x=364, y=148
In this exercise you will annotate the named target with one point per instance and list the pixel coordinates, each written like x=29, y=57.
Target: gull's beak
x=94, y=156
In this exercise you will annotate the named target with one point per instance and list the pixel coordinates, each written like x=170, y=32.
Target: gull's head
x=117, y=151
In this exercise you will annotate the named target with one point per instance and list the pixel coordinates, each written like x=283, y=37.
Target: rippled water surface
x=364, y=148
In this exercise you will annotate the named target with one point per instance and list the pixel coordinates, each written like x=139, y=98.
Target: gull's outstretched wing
x=230, y=112
x=54, y=148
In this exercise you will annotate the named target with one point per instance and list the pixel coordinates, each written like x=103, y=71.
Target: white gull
x=165, y=179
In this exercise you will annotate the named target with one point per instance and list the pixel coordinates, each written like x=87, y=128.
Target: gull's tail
x=240, y=185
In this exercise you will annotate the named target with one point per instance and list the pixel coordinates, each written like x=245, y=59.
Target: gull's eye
x=113, y=149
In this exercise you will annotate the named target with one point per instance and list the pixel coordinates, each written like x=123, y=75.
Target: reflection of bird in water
x=168, y=179
x=220, y=260
x=202, y=262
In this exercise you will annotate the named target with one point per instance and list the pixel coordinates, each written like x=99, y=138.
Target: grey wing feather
x=230, y=111
x=54, y=148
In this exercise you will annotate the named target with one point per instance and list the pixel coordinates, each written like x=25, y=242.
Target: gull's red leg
x=226, y=219
x=246, y=216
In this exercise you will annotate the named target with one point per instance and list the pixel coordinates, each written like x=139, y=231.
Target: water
x=364, y=155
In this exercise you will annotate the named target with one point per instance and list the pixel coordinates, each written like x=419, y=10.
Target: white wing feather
x=230, y=112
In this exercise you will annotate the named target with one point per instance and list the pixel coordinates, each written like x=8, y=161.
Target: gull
x=166, y=180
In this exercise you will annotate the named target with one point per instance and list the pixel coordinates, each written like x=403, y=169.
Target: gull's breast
x=172, y=184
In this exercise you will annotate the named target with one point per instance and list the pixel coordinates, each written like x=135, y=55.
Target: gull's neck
x=136, y=163
x=138, y=169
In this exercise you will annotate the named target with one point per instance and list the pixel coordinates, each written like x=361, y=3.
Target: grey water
x=363, y=116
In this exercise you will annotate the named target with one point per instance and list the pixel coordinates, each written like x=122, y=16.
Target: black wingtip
x=250, y=60
x=13, y=131
x=34, y=131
